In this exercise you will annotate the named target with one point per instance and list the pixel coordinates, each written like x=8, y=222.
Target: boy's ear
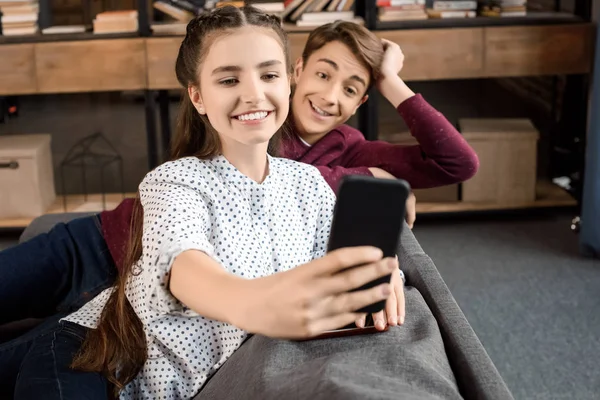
x=196, y=99
x=361, y=102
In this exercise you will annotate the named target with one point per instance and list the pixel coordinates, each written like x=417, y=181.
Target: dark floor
x=531, y=299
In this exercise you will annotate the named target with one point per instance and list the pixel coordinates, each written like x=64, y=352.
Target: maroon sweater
x=442, y=157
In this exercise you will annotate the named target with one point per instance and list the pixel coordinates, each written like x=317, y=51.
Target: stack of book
x=223, y=3
x=311, y=13
x=178, y=14
x=180, y=10
x=116, y=21
x=19, y=17
x=453, y=9
x=401, y=10
x=504, y=8
x=275, y=7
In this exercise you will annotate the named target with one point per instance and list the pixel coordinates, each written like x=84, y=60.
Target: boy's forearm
x=395, y=90
x=206, y=287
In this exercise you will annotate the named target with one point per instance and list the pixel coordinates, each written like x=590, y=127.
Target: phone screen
x=369, y=212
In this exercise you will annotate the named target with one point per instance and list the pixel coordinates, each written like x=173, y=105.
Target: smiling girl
x=231, y=241
x=340, y=63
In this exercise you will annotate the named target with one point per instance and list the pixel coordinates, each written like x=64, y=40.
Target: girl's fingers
x=360, y=321
x=391, y=308
x=354, y=278
x=399, y=292
x=330, y=323
x=350, y=302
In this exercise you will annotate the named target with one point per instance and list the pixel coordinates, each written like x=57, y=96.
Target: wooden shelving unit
x=548, y=195
x=540, y=44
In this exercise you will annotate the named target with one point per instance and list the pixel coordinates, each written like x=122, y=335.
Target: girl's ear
x=298, y=69
x=196, y=99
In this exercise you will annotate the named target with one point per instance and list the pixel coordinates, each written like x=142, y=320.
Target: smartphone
x=369, y=212
x=349, y=330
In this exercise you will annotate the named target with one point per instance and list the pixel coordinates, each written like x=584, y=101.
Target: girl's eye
x=322, y=75
x=350, y=91
x=228, y=82
x=270, y=77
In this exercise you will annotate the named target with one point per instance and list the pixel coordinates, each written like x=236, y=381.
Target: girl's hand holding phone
x=315, y=297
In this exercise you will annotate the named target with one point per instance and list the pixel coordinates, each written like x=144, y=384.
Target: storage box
x=442, y=194
x=26, y=176
x=507, y=150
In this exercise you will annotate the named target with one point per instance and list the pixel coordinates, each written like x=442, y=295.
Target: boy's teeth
x=253, y=116
x=319, y=111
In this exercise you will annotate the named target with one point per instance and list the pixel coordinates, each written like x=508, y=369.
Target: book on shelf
x=174, y=10
x=64, y=29
x=116, y=22
x=19, y=17
x=403, y=10
x=503, y=8
x=269, y=6
x=318, y=12
x=451, y=13
x=453, y=9
x=235, y=3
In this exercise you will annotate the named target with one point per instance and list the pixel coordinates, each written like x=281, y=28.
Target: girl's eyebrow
x=237, y=68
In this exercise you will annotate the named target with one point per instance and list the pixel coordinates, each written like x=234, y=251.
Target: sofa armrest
x=476, y=374
x=44, y=223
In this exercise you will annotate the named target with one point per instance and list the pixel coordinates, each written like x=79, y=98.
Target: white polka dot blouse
x=251, y=229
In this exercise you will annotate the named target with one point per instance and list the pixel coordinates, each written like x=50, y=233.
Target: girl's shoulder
x=186, y=170
x=292, y=169
x=298, y=174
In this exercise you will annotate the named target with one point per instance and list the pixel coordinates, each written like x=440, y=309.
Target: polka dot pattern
x=253, y=230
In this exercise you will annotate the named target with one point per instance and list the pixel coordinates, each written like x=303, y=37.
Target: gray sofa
x=476, y=375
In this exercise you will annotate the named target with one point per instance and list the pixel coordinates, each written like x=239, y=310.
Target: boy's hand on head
x=393, y=59
x=389, y=84
x=394, y=311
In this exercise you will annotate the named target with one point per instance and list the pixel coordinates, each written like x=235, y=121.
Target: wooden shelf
x=531, y=19
x=65, y=37
x=75, y=203
x=548, y=195
x=91, y=63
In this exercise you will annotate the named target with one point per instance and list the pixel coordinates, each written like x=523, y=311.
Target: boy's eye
x=350, y=91
x=228, y=82
x=322, y=75
x=270, y=77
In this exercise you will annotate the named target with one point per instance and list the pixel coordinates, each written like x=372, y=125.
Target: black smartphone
x=350, y=330
x=369, y=212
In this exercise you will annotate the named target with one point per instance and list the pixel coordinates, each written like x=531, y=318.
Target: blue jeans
x=36, y=365
x=55, y=272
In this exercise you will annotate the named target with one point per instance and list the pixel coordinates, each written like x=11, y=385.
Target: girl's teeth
x=253, y=116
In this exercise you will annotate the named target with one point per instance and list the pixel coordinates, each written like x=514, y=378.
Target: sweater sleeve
x=333, y=175
x=442, y=156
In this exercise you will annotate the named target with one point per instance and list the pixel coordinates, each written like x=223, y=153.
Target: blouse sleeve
x=324, y=218
x=176, y=219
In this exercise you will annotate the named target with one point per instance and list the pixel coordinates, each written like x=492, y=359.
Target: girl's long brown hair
x=118, y=348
